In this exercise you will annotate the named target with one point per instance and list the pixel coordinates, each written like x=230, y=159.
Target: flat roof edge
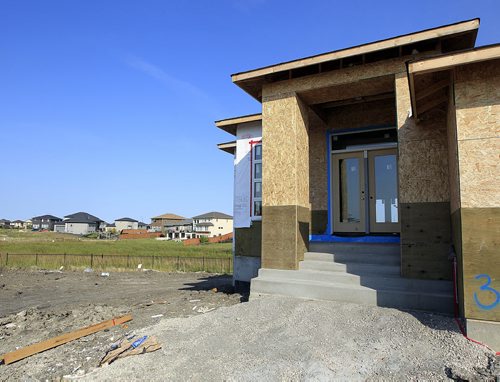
x=239, y=119
x=441, y=31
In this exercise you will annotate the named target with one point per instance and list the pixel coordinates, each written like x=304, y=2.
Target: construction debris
x=60, y=340
x=130, y=347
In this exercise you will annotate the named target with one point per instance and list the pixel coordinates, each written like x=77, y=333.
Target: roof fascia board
x=449, y=61
x=443, y=31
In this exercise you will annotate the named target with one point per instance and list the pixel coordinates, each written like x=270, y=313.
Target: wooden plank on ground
x=62, y=339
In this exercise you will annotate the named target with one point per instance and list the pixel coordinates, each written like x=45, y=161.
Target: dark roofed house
x=44, y=222
x=4, y=223
x=142, y=225
x=126, y=223
x=213, y=224
x=82, y=223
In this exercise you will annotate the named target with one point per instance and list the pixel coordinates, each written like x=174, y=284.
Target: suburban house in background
x=126, y=223
x=44, y=222
x=373, y=176
x=178, y=229
x=212, y=224
x=142, y=225
x=4, y=223
x=110, y=227
x=158, y=222
x=17, y=224
x=80, y=223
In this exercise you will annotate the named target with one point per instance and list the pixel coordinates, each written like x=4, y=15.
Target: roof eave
x=249, y=80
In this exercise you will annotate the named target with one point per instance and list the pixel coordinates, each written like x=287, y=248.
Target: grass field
x=27, y=242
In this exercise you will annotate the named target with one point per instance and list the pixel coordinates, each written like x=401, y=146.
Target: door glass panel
x=350, y=211
x=386, y=197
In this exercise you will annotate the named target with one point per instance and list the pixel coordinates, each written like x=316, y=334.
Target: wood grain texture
x=62, y=339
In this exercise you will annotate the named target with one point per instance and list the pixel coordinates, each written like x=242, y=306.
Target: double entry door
x=365, y=191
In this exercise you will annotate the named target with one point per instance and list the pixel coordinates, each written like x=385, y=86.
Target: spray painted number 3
x=486, y=287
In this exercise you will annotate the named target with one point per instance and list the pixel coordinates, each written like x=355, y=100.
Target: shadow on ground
x=222, y=283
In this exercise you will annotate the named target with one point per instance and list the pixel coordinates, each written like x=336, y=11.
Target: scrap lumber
x=62, y=339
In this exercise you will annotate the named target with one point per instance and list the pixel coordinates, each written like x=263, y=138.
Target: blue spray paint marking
x=486, y=287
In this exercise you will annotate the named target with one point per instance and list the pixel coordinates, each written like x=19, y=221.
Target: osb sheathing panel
x=318, y=172
x=286, y=149
x=479, y=172
x=336, y=77
x=480, y=243
x=367, y=114
x=423, y=153
x=369, y=87
x=454, y=177
x=477, y=99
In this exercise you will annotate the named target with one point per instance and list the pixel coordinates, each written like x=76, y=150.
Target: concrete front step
x=319, y=290
x=354, y=268
x=370, y=281
x=356, y=248
x=386, y=259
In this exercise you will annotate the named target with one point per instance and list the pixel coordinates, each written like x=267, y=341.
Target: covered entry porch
x=344, y=159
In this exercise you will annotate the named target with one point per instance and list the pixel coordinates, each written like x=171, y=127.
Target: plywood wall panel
x=423, y=152
x=481, y=260
x=318, y=173
x=477, y=99
x=337, y=77
x=377, y=113
x=423, y=173
x=286, y=152
x=454, y=176
x=479, y=172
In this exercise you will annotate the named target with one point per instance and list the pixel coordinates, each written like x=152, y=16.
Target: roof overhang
x=230, y=124
x=425, y=97
x=228, y=147
x=447, y=38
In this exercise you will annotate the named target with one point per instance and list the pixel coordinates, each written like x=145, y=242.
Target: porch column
x=285, y=184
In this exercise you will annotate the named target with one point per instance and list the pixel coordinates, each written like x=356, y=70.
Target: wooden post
x=36, y=259
x=7, y=259
x=91, y=260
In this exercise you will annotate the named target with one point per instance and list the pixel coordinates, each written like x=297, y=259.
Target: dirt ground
x=39, y=305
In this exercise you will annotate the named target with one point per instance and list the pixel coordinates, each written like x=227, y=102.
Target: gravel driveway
x=277, y=338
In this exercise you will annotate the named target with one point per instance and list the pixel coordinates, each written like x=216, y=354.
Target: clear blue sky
x=108, y=106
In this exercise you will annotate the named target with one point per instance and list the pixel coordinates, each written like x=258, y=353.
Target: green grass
x=50, y=250
x=17, y=242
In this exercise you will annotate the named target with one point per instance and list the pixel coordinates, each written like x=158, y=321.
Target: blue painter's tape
x=354, y=239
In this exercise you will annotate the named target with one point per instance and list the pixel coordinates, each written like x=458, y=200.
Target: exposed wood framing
x=432, y=89
x=353, y=101
x=433, y=102
x=361, y=49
